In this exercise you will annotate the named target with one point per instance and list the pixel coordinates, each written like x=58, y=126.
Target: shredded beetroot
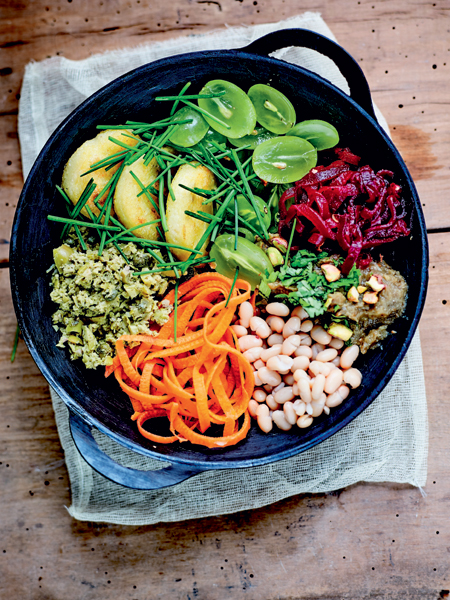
x=351, y=205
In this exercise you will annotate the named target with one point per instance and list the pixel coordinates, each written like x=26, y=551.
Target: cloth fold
x=387, y=442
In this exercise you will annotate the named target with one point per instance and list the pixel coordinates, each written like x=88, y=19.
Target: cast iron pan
x=94, y=402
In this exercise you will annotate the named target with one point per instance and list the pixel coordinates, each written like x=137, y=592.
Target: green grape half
x=284, y=159
x=320, y=134
x=256, y=137
x=189, y=134
x=273, y=110
x=213, y=136
x=247, y=212
x=231, y=106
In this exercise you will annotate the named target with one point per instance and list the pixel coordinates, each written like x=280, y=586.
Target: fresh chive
x=177, y=100
x=82, y=223
x=194, y=191
x=236, y=224
x=175, y=315
x=162, y=211
x=218, y=216
x=232, y=286
x=15, y=343
x=291, y=237
x=128, y=231
x=206, y=113
x=145, y=190
x=109, y=161
x=191, y=97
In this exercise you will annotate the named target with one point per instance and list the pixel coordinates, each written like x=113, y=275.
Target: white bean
x=289, y=413
x=334, y=380
x=268, y=388
x=300, y=362
x=316, y=348
x=271, y=351
x=336, y=361
x=248, y=341
x=327, y=368
x=344, y=391
x=349, y=355
x=319, y=335
x=305, y=339
x=336, y=343
x=262, y=410
x=300, y=374
x=245, y=314
x=353, y=377
x=253, y=354
x=275, y=339
x=304, y=390
x=280, y=420
x=290, y=345
x=303, y=351
x=317, y=389
x=268, y=376
x=272, y=403
x=265, y=423
x=252, y=407
x=291, y=326
x=258, y=364
x=278, y=309
x=299, y=407
x=309, y=409
x=337, y=397
x=306, y=326
x=280, y=363
x=284, y=395
x=315, y=367
x=239, y=330
x=299, y=312
x=327, y=355
x=259, y=395
x=304, y=421
x=260, y=327
x=317, y=406
x=276, y=324
x=257, y=378
x=289, y=379
x=326, y=410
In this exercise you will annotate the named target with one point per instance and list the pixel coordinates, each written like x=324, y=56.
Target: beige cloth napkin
x=387, y=442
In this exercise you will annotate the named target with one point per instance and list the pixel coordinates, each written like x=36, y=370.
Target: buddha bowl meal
x=225, y=264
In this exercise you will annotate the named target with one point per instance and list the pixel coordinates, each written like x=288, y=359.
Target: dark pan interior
x=100, y=401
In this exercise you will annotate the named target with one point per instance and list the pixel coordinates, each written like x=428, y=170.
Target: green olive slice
x=321, y=134
x=284, y=159
x=273, y=110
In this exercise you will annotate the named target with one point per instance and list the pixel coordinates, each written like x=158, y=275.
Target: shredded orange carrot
x=200, y=380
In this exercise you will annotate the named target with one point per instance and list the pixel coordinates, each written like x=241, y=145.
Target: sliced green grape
x=273, y=110
x=213, y=136
x=256, y=137
x=320, y=134
x=284, y=159
x=231, y=112
x=188, y=134
x=247, y=212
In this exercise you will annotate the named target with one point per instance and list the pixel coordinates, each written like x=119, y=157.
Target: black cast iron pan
x=94, y=402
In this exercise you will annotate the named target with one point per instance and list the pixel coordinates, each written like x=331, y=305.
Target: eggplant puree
x=373, y=320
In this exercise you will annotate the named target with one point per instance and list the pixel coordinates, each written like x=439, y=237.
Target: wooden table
x=365, y=541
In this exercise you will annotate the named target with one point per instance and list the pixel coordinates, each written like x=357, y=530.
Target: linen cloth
x=387, y=442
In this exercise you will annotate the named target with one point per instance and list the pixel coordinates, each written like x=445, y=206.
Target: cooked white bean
x=338, y=397
x=327, y=368
x=303, y=351
x=336, y=343
x=333, y=381
x=299, y=407
x=262, y=410
x=271, y=351
x=315, y=367
x=299, y=312
x=306, y=326
x=268, y=376
x=267, y=388
x=260, y=327
x=291, y=326
x=318, y=405
x=304, y=390
x=304, y=421
x=289, y=379
x=278, y=309
x=275, y=339
x=290, y=345
x=272, y=403
x=295, y=389
x=327, y=355
x=319, y=335
x=280, y=363
x=239, y=330
x=253, y=354
x=258, y=364
x=252, y=407
x=257, y=378
x=276, y=324
x=300, y=362
x=348, y=356
x=301, y=374
x=336, y=361
x=245, y=314
x=289, y=413
x=305, y=339
x=353, y=377
x=316, y=348
x=344, y=391
x=326, y=410
x=284, y=395
x=265, y=423
x=311, y=382
x=259, y=395
x=249, y=341
x=309, y=409
x=318, y=386
x=280, y=420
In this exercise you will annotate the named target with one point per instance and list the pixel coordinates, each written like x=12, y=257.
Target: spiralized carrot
x=199, y=380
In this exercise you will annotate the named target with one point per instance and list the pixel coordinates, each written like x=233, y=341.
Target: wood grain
x=365, y=541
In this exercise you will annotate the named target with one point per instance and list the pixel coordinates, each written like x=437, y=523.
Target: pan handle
x=304, y=38
x=106, y=466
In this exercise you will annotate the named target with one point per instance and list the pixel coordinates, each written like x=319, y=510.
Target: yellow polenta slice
x=133, y=208
x=89, y=153
x=183, y=229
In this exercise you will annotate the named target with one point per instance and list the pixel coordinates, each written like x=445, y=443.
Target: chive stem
x=232, y=286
